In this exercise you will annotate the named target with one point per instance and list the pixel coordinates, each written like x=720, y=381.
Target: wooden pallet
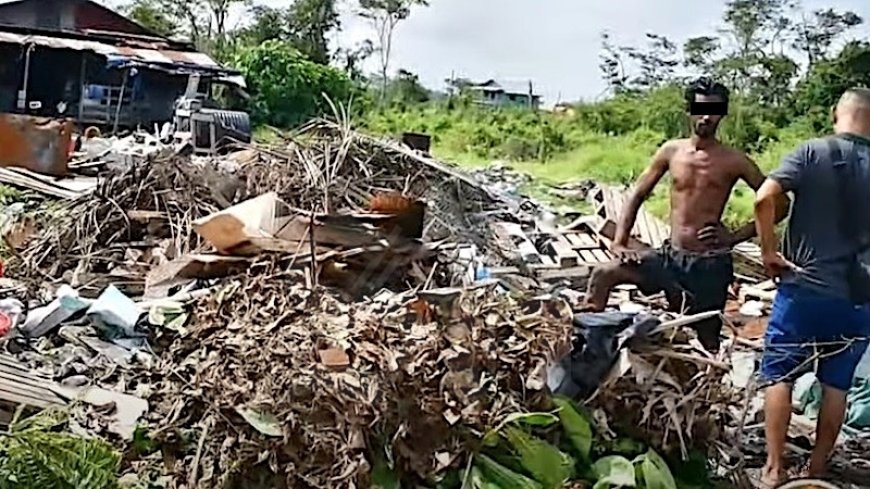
x=555, y=254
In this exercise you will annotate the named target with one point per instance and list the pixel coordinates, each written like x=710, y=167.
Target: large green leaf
x=577, y=427
x=654, y=471
x=546, y=463
x=492, y=475
x=614, y=471
x=383, y=477
x=528, y=419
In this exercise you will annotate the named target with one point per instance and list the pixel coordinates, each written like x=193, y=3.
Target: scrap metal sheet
x=38, y=144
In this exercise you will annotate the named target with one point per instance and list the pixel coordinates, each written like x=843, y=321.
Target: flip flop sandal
x=808, y=484
x=757, y=479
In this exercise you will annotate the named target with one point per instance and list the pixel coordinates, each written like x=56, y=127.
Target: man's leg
x=777, y=416
x=831, y=417
x=605, y=278
x=710, y=332
x=781, y=364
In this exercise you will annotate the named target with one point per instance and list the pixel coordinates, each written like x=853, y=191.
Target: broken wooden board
x=513, y=235
x=237, y=225
x=64, y=188
x=647, y=228
x=562, y=252
x=189, y=267
x=19, y=386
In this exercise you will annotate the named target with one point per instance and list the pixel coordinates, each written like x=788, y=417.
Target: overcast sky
x=553, y=42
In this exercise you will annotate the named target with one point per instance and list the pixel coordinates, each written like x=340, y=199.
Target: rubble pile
x=333, y=168
x=132, y=221
x=325, y=383
x=297, y=312
x=675, y=395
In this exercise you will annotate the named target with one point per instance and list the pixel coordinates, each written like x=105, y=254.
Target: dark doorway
x=54, y=82
x=11, y=63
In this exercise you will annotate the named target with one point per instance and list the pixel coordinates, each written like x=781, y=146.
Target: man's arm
x=766, y=201
x=643, y=187
x=786, y=178
x=753, y=177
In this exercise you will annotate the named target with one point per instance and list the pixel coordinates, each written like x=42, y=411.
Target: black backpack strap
x=835, y=149
x=849, y=197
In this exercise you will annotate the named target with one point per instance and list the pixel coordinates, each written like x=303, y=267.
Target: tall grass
x=610, y=141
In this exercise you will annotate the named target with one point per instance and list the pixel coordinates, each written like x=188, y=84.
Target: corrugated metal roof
x=166, y=57
x=507, y=86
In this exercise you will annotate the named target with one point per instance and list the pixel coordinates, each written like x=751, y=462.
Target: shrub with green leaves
x=286, y=88
x=38, y=453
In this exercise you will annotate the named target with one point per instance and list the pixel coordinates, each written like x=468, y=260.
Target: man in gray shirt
x=817, y=319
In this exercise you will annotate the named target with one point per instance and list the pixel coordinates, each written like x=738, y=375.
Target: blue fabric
x=801, y=319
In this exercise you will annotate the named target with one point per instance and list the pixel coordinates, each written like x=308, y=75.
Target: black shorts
x=692, y=282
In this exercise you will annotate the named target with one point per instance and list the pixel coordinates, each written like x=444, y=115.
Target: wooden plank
x=574, y=272
x=587, y=256
x=517, y=236
x=564, y=255
x=574, y=239
x=582, y=241
x=601, y=256
x=19, y=386
x=14, y=388
x=547, y=263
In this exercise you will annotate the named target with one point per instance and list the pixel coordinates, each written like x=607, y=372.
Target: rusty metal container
x=39, y=144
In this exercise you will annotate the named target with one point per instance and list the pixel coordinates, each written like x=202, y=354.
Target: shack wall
x=68, y=16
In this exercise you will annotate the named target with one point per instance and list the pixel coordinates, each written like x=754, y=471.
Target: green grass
x=620, y=160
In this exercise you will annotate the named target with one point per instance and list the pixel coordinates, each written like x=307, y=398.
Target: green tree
x=815, y=35
x=700, y=53
x=310, y=22
x=286, y=87
x=407, y=89
x=612, y=65
x=149, y=14
x=267, y=23
x=756, y=29
x=384, y=16
x=828, y=79
x=656, y=63
x=351, y=59
x=306, y=25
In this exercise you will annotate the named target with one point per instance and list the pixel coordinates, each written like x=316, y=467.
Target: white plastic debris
x=631, y=308
x=42, y=320
x=752, y=309
x=115, y=311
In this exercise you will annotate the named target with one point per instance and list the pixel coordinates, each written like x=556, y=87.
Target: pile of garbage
x=302, y=314
x=325, y=383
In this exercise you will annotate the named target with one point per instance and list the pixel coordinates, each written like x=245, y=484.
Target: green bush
x=286, y=88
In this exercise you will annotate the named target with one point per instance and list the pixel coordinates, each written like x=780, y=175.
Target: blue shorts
x=801, y=323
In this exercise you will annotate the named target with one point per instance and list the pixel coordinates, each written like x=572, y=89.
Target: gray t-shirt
x=814, y=241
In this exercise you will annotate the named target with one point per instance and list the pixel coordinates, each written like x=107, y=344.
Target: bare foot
x=771, y=478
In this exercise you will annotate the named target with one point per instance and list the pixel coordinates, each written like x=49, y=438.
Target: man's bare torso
x=701, y=183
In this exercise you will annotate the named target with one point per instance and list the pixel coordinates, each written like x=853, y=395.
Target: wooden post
x=120, y=100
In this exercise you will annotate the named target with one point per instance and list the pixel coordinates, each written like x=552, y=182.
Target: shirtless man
x=694, y=267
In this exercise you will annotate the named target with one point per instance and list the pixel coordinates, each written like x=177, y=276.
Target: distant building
x=505, y=94
x=81, y=60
